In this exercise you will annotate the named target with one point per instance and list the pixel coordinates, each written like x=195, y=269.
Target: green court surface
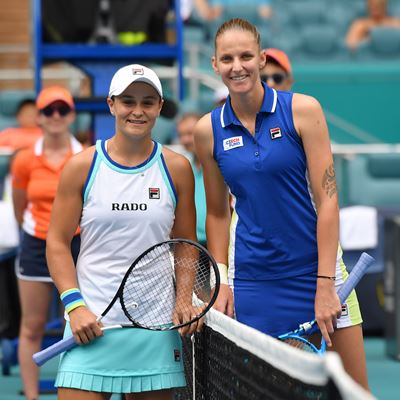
x=384, y=375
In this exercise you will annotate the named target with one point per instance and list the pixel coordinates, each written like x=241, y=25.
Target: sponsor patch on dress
x=233, y=142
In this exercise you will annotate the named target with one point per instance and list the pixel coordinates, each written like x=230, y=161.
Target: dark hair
x=238, y=24
x=23, y=103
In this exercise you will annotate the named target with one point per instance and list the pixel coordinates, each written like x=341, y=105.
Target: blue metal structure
x=100, y=61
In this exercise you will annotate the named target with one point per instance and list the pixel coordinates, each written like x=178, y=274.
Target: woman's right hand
x=84, y=325
x=224, y=302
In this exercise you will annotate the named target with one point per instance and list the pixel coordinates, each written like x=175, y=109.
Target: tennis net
x=231, y=361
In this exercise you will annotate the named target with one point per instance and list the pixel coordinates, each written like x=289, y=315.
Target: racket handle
x=364, y=262
x=57, y=348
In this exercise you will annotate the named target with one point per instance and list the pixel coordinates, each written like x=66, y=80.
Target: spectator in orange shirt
x=377, y=17
x=277, y=72
x=27, y=131
x=35, y=175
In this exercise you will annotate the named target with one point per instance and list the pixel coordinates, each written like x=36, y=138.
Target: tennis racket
x=297, y=338
x=167, y=287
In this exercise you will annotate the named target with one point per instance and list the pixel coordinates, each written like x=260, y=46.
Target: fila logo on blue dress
x=275, y=133
x=154, y=193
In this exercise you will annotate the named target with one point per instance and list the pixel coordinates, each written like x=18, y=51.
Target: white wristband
x=223, y=275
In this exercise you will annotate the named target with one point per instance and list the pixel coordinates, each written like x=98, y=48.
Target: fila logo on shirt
x=154, y=193
x=232, y=143
x=345, y=310
x=275, y=133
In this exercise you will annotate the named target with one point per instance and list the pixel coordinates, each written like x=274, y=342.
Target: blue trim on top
x=168, y=180
x=100, y=146
x=90, y=178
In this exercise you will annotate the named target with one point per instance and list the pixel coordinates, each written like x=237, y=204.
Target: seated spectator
x=210, y=10
x=104, y=21
x=138, y=22
x=277, y=72
x=27, y=131
x=359, y=30
x=206, y=10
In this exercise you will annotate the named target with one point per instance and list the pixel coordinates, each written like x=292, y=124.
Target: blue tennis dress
x=273, y=230
x=273, y=254
x=125, y=211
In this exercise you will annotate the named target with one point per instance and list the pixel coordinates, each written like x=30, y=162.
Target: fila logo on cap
x=275, y=133
x=137, y=71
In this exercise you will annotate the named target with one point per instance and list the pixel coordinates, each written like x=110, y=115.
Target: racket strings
x=301, y=343
x=169, y=284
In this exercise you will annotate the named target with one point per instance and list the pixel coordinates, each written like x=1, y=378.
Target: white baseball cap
x=133, y=73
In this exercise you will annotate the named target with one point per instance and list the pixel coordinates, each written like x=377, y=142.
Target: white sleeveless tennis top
x=125, y=211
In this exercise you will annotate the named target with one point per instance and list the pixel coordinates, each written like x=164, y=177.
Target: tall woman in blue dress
x=270, y=149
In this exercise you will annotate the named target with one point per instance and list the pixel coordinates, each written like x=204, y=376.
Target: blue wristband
x=72, y=298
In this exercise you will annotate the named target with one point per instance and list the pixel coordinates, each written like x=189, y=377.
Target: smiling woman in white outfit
x=126, y=193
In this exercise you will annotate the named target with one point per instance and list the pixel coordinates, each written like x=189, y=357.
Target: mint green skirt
x=124, y=361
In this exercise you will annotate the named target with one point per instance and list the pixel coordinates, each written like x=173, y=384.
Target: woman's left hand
x=327, y=308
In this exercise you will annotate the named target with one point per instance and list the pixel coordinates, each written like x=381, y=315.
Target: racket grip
x=57, y=348
x=364, y=262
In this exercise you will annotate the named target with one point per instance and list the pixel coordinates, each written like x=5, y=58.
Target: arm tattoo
x=329, y=181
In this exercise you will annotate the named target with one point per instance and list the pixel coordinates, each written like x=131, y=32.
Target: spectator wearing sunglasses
x=35, y=175
x=277, y=73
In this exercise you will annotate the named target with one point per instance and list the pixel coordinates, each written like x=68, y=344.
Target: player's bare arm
x=311, y=125
x=218, y=211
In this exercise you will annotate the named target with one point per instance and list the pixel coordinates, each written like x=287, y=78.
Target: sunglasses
x=277, y=78
x=50, y=110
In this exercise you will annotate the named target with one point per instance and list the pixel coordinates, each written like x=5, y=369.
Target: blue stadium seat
x=193, y=34
x=164, y=130
x=320, y=42
x=242, y=11
x=83, y=123
x=374, y=180
x=7, y=122
x=188, y=105
x=385, y=41
x=9, y=100
x=206, y=101
x=305, y=12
